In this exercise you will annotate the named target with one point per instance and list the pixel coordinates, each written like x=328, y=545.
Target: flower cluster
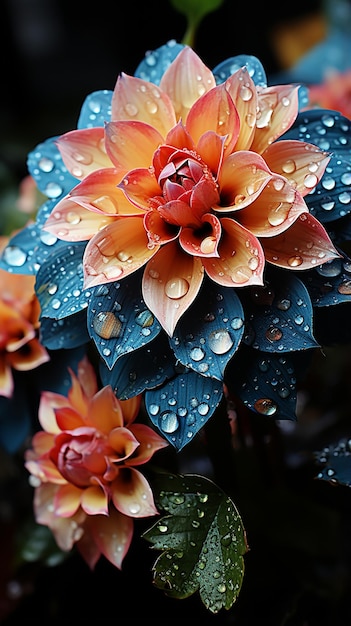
x=192, y=243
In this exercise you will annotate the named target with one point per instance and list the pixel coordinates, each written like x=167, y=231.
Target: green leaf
x=194, y=11
x=202, y=538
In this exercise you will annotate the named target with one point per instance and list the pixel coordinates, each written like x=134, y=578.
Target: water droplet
x=168, y=422
x=273, y=334
x=14, y=256
x=220, y=341
x=176, y=288
x=265, y=406
x=107, y=325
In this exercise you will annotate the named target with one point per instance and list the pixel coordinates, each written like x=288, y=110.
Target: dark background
x=54, y=52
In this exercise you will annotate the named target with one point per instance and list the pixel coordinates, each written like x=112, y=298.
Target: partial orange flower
x=83, y=465
x=20, y=348
x=190, y=178
x=333, y=93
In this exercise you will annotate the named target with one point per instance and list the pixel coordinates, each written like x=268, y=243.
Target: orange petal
x=68, y=419
x=242, y=89
x=105, y=411
x=241, y=261
x=132, y=494
x=304, y=245
x=116, y=251
x=130, y=408
x=185, y=80
x=83, y=151
x=140, y=186
x=215, y=111
x=94, y=501
x=112, y=535
x=87, y=377
x=242, y=178
x=65, y=530
x=277, y=111
x=77, y=397
x=123, y=442
x=72, y=222
x=149, y=443
x=211, y=147
x=100, y=192
x=275, y=209
x=67, y=500
x=137, y=99
x=301, y=163
x=29, y=356
x=6, y=378
x=131, y=144
x=170, y=284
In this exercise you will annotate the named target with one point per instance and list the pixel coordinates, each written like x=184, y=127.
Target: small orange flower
x=191, y=178
x=83, y=466
x=20, y=348
x=333, y=93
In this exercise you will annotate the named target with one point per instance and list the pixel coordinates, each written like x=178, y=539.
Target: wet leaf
x=48, y=170
x=330, y=283
x=202, y=538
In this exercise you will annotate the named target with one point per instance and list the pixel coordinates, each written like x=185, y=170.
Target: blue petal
x=118, y=319
x=330, y=131
x=59, y=283
x=280, y=316
x=96, y=109
x=330, y=283
x=69, y=332
x=155, y=63
x=145, y=368
x=48, y=170
x=266, y=383
x=226, y=68
x=210, y=331
x=183, y=405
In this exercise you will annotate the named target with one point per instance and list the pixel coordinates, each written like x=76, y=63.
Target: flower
x=83, y=464
x=199, y=247
x=20, y=347
x=190, y=178
x=333, y=93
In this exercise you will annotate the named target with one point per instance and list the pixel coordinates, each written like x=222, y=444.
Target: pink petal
x=49, y=401
x=170, y=284
x=116, y=251
x=243, y=176
x=132, y=494
x=277, y=111
x=112, y=535
x=202, y=244
x=185, y=80
x=302, y=163
x=275, y=209
x=242, y=89
x=241, y=260
x=131, y=144
x=304, y=245
x=215, y=111
x=83, y=151
x=65, y=530
x=140, y=100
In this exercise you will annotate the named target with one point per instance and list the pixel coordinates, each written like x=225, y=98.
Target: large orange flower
x=189, y=178
x=83, y=465
x=20, y=348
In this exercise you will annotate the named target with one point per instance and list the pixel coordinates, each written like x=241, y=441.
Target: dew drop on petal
x=265, y=406
x=14, y=256
x=220, y=341
x=106, y=325
x=168, y=422
x=176, y=288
